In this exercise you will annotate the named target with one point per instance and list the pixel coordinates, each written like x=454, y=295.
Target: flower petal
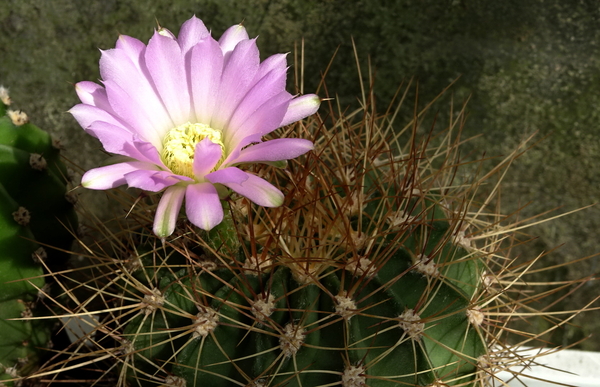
x=274, y=150
x=231, y=37
x=168, y=210
x=86, y=114
x=118, y=140
x=128, y=109
x=264, y=120
x=205, y=65
x=203, y=206
x=91, y=93
x=276, y=62
x=238, y=74
x=301, y=107
x=111, y=176
x=253, y=187
x=98, y=108
x=118, y=67
x=206, y=156
x=235, y=151
x=167, y=69
x=132, y=47
x=153, y=180
x=145, y=152
x=191, y=32
x=265, y=89
x=230, y=175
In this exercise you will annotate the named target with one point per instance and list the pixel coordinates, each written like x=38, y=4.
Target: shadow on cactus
x=388, y=264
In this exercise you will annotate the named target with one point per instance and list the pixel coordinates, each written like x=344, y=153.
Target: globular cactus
x=35, y=213
x=384, y=266
x=318, y=299
x=367, y=275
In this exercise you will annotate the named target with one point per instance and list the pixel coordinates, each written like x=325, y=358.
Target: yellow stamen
x=180, y=143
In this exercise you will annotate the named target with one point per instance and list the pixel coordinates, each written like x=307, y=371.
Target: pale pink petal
x=91, y=93
x=206, y=157
x=269, y=81
x=111, y=176
x=112, y=137
x=253, y=187
x=203, y=206
x=168, y=211
x=275, y=62
x=94, y=96
x=145, y=151
x=232, y=37
x=132, y=47
x=153, y=180
x=166, y=33
x=205, y=65
x=117, y=67
x=265, y=89
x=301, y=107
x=238, y=74
x=118, y=140
x=235, y=152
x=191, y=32
x=129, y=110
x=86, y=114
x=166, y=67
x=230, y=175
x=264, y=120
x=274, y=150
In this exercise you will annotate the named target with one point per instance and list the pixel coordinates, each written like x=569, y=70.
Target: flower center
x=179, y=146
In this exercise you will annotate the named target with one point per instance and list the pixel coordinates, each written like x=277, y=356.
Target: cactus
x=380, y=269
x=384, y=266
x=34, y=214
x=322, y=300
x=361, y=278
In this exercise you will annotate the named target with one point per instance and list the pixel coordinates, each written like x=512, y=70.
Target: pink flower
x=184, y=113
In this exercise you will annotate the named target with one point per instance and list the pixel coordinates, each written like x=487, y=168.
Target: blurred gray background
x=527, y=65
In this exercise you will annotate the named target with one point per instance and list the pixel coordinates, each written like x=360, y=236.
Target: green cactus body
x=20, y=279
x=352, y=284
x=399, y=316
x=31, y=172
x=34, y=214
x=363, y=277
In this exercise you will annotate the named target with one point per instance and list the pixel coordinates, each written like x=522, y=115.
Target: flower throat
x=179, y=146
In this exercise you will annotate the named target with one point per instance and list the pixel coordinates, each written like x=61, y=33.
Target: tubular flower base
x=184, y=113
